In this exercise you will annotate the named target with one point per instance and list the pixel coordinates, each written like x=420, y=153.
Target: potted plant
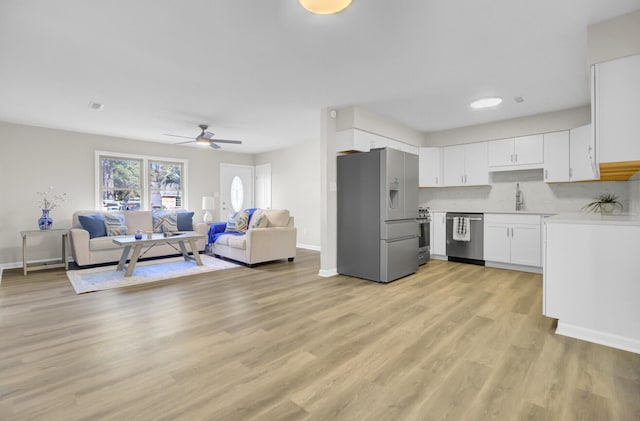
x=604, y=203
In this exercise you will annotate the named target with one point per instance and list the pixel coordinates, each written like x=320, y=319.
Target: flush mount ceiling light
x=325, y=7
x=486, y=102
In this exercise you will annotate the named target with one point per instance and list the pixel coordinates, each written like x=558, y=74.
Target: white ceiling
x=261, y=70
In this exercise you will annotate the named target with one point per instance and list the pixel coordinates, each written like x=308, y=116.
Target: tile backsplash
x=538, y=195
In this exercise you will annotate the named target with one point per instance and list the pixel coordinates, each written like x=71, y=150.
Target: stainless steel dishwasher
x=465, y=242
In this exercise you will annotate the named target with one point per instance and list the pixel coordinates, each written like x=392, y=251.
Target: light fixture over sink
x=325, y=7
x=487, y=102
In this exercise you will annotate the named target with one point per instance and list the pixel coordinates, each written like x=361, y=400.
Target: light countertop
x=594, y=219
x=509, y=212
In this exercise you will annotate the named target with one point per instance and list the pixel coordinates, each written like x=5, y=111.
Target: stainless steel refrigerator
x=377, y=211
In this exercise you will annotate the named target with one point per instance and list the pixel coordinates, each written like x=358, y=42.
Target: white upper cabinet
x=582, y=154
x=523, y=152
x=529, y=150
x=475, y=163
x=617, y=109
x=430, y=167
x=465, y=165
x=453, y=161
x=500, y=152
x=556, y=157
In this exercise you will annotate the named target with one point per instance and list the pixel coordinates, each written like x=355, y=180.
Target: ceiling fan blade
x=182, y=143
x=235, y=142
x=214, y=146
x=207, y=135
x=176, y=135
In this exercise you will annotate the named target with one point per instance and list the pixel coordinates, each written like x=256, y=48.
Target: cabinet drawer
x=510, y=218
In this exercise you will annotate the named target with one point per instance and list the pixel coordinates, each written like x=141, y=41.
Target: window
x=120, y=186
x=165, y=185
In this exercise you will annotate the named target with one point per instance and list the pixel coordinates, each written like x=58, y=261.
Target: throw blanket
x=217, y=230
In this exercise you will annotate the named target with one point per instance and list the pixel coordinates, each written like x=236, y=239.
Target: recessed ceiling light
x=491, y=101
x=325, y=7
x=96, y=106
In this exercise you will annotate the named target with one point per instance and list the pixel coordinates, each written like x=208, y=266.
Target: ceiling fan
x=205, y=138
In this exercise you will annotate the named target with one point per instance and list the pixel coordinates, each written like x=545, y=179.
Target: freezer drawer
x=398, y=258
x=391, y=230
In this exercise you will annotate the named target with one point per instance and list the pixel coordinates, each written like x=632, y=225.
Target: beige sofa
x=277, y=240
x=91, y=251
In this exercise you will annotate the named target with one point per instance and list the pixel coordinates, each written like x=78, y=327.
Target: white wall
x=33, y=158
x=613, y=38
x=295, y=180
x=522, y=126
x=369, y=121
x=538, y=196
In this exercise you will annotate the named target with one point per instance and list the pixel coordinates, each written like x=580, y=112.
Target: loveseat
x=92, y=244
x=264, y=235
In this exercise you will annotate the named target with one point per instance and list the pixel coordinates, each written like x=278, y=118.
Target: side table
x=63, y=263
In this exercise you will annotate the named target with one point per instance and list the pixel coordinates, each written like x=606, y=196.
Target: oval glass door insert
x=237, y=193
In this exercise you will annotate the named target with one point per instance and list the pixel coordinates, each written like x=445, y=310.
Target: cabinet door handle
x=465, y=179
x=507, y=232
x=436, y=180
x=511, y=158
x=516, y=158
x=462, y=179
x=546, y=174
x=570, y=172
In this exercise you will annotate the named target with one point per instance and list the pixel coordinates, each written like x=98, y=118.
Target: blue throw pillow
x=185, y=221
x=94, y=224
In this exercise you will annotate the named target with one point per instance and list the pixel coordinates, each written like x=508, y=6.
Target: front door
x=236, y=189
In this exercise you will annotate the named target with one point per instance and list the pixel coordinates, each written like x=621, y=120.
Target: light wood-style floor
x=277, y=342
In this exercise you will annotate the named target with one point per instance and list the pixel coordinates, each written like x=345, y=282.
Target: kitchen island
x=591, y=281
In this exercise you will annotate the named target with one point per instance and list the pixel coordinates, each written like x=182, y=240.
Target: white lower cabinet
x=438, y=234
x=512, y=239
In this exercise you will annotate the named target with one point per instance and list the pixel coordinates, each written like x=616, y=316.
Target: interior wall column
x=328, y=186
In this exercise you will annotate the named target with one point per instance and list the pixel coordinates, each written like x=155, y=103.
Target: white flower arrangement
x=49, y=200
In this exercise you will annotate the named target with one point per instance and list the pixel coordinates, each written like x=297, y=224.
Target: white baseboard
x=438, y=257
x=521, y=268
x=16, y=265
x=597, y=337
x=308, y=247
x=327, y=273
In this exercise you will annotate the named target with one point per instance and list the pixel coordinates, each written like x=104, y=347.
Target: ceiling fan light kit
x=325, y=7
x=205, y=138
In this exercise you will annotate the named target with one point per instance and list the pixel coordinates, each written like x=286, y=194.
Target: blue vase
x=45, y=222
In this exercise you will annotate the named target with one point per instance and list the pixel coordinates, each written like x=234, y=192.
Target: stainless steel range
x=424, y=239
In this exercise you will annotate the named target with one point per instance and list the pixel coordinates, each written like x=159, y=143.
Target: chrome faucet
x=519, y=198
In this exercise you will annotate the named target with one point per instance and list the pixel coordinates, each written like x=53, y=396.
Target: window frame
x=145, y=199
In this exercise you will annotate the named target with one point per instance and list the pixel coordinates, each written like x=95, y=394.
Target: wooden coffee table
x=147, y=243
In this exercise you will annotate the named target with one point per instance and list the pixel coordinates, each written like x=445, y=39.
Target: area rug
x=98, y=279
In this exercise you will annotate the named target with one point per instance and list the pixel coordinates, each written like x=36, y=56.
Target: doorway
x=236, y=188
